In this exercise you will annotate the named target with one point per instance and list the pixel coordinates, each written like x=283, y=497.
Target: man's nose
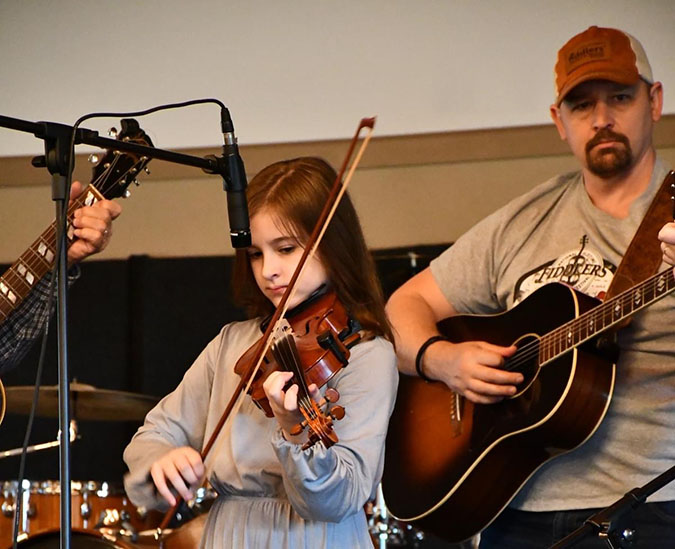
x=603, y=116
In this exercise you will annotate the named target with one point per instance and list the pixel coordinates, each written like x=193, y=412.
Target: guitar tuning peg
x=137, y=182
x=93, y=158
x=127, y=193
x=112, y=132
x=146, y=170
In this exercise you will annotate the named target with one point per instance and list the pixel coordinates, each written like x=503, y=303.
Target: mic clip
x=217, y=166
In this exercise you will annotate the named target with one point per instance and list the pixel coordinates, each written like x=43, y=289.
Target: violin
x=313, y=342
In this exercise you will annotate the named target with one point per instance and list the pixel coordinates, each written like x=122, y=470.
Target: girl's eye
x=287, y=250
x=254, y=254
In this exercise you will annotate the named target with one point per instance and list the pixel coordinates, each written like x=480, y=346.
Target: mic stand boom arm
x=47, y=130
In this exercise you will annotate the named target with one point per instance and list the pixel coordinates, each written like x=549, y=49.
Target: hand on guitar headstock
x=111, y=175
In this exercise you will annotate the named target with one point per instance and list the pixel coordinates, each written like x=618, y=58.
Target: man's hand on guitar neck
x=667, y=238
x=93, y=226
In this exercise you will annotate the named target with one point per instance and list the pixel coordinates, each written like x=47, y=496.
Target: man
x=573, y=229
x=93, y=228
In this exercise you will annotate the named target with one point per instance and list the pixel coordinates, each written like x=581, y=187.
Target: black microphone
x=235, y=185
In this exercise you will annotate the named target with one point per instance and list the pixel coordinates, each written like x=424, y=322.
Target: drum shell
x=80, y=539
x=90, y=501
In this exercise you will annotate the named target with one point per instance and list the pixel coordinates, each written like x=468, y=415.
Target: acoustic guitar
x=451, y=466
x=110, y=178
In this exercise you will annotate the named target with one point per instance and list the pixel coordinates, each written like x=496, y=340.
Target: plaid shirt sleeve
x=26, y=323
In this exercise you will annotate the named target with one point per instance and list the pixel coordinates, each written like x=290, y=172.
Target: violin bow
x=336, y=193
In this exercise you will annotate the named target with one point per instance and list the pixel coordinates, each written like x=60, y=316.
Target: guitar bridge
x=456, y=405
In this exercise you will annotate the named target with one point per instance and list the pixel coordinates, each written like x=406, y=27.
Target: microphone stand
x=607, y=523
x=57, y=138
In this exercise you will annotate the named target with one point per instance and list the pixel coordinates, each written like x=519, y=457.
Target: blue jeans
x=654, y=525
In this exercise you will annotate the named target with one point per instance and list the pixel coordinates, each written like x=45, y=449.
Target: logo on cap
x=590, y=52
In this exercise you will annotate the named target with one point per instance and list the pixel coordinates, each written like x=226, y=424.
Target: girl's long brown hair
x=296, y=191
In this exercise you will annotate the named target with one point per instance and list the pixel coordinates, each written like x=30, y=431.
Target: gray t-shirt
x=554, y=233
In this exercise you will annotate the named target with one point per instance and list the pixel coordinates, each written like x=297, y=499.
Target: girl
x=271, y=492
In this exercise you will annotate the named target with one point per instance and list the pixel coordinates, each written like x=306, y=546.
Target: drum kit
x=102, y=515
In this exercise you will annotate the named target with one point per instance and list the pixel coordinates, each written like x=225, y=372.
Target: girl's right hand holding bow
x=183, y=469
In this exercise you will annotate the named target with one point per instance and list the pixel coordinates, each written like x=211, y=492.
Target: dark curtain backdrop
x=137, y=325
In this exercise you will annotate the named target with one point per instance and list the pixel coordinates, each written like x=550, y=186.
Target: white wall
x=300, y=70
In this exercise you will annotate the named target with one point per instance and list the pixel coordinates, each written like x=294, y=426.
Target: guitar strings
x=560, y=337
x=32, y=258
x=49, y=235
x=657, y=286
x=529, y=351
x=35, y=263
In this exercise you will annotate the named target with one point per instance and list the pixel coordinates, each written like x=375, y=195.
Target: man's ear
x=555, y=116
x=656, y=100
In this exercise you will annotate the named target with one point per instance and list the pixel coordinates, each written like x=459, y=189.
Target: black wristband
x=420, y=354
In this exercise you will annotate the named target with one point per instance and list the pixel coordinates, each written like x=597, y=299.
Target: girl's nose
x=270, y=269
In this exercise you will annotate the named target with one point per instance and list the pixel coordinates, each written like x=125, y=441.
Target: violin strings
x=287, y=357
x=287, y=352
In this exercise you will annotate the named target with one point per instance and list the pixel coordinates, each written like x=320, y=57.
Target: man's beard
x=610, y=161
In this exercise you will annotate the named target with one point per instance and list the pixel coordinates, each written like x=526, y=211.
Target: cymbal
x=86, y=402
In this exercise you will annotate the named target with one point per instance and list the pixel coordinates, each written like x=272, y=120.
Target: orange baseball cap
x=600, y=54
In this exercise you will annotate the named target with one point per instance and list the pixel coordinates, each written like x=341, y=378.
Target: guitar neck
x=605, y=316
x=17, y=282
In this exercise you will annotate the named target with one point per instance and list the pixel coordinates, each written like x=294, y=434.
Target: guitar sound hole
x=525, y=361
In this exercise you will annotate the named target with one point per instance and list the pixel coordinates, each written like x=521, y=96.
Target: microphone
x=235, y=185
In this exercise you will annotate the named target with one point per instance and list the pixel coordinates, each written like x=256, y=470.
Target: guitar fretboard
x=38, y=259
x=605, y=316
